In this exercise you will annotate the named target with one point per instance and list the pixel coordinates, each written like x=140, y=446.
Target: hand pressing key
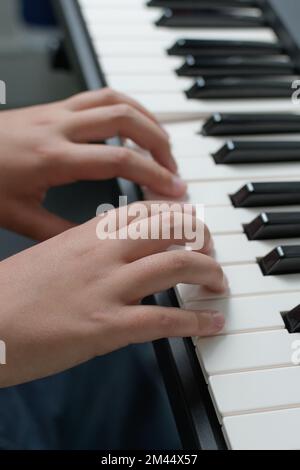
x=57, y=144
x=76, y=297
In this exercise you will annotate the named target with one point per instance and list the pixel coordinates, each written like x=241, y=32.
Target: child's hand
x=75, y=297
x=57, y=144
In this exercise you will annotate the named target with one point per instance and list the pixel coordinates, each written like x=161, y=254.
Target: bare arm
x=75, y=297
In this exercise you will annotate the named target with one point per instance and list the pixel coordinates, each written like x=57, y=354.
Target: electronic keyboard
x=219, y=75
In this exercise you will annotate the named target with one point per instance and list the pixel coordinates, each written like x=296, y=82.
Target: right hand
x=75, y=297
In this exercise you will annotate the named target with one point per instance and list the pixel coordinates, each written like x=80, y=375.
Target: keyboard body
x=194, y=411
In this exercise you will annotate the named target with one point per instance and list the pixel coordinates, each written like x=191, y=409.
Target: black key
x=292, y=320
x=250, y=124
x=209, y=19
x=267, y=194
x=239, y=88
x=234, y=152
x=202, y=4
x=215, y=47
x=282, y=260
x=272, y=225
x=235, y=66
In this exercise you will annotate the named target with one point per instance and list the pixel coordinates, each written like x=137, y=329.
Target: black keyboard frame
x=188, y=393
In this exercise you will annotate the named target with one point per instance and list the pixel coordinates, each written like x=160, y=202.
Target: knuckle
x=166, y=323
x=200, y=322
x=122, y=158
x=109, y=94
x=180, y=261
x=51, y=152
x=53, y=160
x=124, y=111
x=78, y=97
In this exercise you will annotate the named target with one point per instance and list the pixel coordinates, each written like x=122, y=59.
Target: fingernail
x=179, y=186
x=218, y=320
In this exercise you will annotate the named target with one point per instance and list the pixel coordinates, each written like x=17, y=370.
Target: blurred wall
x=24, y=60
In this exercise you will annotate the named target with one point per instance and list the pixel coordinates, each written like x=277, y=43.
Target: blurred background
x=28, y=38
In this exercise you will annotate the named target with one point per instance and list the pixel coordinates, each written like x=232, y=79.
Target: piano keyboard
x=198, y=65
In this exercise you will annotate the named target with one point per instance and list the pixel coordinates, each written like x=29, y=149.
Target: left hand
x=57, y=144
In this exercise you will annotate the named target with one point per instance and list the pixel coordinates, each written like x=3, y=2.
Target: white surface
x=244, y=352
x=266, y=431
x=251, y=392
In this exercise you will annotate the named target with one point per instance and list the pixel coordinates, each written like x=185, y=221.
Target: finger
x=159, y=232
x=138, y=211
x=39, y=224
x=145, y=323
x=162, y=271
x=105, y=97
x=99, y=162
x=98, y=124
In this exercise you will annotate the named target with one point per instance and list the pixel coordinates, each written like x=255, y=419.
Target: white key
x=249, y=314
x=110, y=48
x=245, y=280
x=208, y=194
x=216, y=194
x=85, y=4
x=129, y=49
x=142, y=66
x=134, y=5
x=226, y=220
x=246, y=352
x=195, y=145
x=211, y=194
x=160, y=69
x=128, y=83
x=237, y=249
x=149, y=32
x=257, y=391
x=141, y=83
x=278, y=430
x=181, y=130
x=204, y=168
x=176, y=107
x=129, y=17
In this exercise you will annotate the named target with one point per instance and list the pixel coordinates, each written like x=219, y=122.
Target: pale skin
x=74, y=297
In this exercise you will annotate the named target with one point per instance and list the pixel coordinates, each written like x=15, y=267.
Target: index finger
x=107, y=97
x=97, y=124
